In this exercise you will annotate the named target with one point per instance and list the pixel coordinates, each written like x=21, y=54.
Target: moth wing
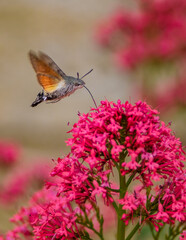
x=50, y=83
x=42, y=67
x=48, y=61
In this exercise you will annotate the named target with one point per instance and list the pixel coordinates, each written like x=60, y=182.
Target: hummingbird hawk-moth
x=55, y=83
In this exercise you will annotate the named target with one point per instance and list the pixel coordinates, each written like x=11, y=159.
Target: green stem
x=115, y=206
x=158, y=233
x=89, y=224
x=152, y=230
x=130, y=180
x=121, y=225
x=135, y=229
x=117, y=165
x=122, y=182
x=113, y=190
x=96, y=232
x=91, y=228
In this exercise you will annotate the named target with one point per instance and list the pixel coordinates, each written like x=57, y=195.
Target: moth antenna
x=77, y=75
x=87, y=73
x=91, y=93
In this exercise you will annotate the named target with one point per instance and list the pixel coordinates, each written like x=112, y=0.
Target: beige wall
x=65, y=31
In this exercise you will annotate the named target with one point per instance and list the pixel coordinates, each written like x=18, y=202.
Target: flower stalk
x=121, y=224
x=123, y=188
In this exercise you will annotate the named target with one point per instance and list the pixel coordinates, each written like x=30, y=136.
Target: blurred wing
x=48, y=61
x=47, y=73
x=42, y=67
x=50, y=83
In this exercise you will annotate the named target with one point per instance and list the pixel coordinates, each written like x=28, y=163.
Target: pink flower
x=17, y=183
x=183, y=235
x=129, y=202
x=116, y=149
x=9, y=152
x=179, y=216
x=161, y=214
x=154, y=152
x=47, y=217
x=154, y=33
x=149, y=143
x=158, y=207
x=172, y=95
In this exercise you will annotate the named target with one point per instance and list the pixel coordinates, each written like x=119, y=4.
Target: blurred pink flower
x=155, y=32
x=9, y=152
x=183, y=235
x=17, y=183
x=172, y=95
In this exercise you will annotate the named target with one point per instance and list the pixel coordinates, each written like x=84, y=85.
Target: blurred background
x=65, y=31
x=135, y=55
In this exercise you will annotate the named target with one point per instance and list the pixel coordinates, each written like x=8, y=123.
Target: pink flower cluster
x=9, y=153
x=128, y=137
x=101, y=136
x=183, y=235
x=52, y=217
x=165, y=204
x=79, y=183
x=17, y=182
x=155, y=32
x=47, y=218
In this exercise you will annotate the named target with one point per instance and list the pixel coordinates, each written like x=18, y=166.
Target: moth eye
x=77, y=84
